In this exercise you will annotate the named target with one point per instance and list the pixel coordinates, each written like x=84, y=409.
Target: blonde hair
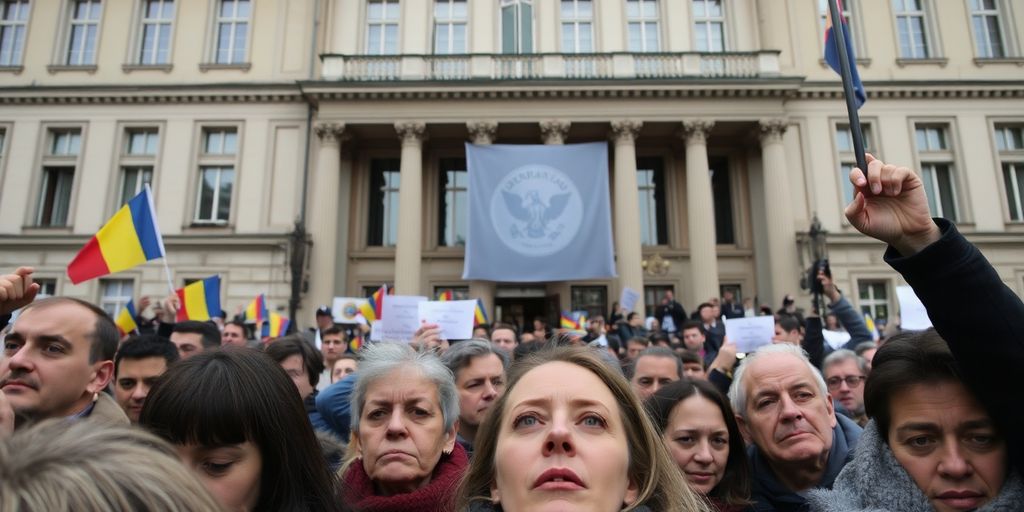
x=88, y=467
x=659, y=482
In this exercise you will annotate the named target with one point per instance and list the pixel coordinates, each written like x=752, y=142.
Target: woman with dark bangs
x=236, y=420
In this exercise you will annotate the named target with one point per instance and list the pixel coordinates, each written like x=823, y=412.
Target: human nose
x=140, y=392
x=20, y=360
x=396, y=424
x=789, y=410
x=559, y=439
x=703, y=452
x=953, y=465
x=490, y=391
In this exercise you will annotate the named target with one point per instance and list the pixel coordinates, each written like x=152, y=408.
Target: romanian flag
x=199, y=300
x=256, y=311
x=479, y=314
x=574, y=321
x=371, y=310
x=126, y=320
x=870, y=322
x=832, y=52
x=129, y=238
x=446, y=296
x=275, y=326
x=355, y=344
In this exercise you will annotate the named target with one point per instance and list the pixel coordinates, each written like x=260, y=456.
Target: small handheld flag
x=839, y=55
x=275, y=326
x=371, y=310
x=256, y=311
x=126, y=320
x=872, y=327
x=832, y=52
x=479, y=313
x=574, y=321
x=199, y=300
x=131, y=237
x=355, y=344
x=446, y=296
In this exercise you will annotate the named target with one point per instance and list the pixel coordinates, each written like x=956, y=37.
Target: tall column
x=410, y=208
x=482, y=133
x=700, y=210
x=323, y=214
x=782, y=255
x=553, y=132
x=627, y=209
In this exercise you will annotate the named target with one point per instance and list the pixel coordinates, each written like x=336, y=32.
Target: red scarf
x=438, y=496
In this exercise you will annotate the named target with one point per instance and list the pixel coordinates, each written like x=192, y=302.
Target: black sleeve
x=980, y=318
x=720, y=381
x=164, y=330
x=4, y=320
x=814, y=341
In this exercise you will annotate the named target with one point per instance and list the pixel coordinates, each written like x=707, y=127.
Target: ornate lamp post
x=816, y=250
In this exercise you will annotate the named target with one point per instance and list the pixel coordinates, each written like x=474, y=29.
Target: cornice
x=172, y=94
x=918, y=90
x=42, y=241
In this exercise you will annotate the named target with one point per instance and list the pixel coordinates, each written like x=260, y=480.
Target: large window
x=650, y=177
x=13, y=18
x=642, y=25
x=912, y=28
x=708, y=26
x=385, y=178
x=155, y=32
x=850, y=25
x=137, y=161
x=937, y=170
x=216, y=175
x=847, y=156
x=382, y=27
x=653, y=295
x=116, y=294
x=232, y=36
x=516, y=26
x=592, y=299
x=454, y=202
x=1010, y=143
x=450, y=19
x=59, y=163
x=577, y=26
x=874, y=299
x=721, y=189
x=988, y=33
x=47, y=287
x=83, y=31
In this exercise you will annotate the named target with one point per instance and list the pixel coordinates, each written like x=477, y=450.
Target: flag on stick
x=479, y=314
x=256, y=311
x=199, y=300
x=574, y=321
x=371, y=310
x=446, y=296
x=126, y=320
x=275, y=326
x=839, y=55
x=131, y=237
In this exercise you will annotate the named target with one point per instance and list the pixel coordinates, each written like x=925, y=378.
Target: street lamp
x=817, y=253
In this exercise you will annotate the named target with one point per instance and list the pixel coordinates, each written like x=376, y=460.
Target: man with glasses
x=845, y=373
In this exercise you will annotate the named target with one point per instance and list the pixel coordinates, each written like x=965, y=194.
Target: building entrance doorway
x=519, y=306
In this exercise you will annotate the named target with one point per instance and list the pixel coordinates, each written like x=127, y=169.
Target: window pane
x=227, y=177
x=207, y=187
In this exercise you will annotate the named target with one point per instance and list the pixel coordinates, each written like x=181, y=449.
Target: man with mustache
x=58, y=358
x=798, y=442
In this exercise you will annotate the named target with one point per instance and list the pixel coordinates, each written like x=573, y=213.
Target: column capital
x=330, y=133
x=696, y=130
x=625, y=130
x=482, y=133
x=554, y=131
x=772, y=130
x=411, y=132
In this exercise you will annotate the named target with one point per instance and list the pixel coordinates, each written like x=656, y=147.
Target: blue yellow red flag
x=199, y=300
x=832, y=52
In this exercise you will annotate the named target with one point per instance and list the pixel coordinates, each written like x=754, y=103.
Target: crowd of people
x=640, y=414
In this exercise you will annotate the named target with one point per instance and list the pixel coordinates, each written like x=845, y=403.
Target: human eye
x=684, y=439
x=10, y=347
x=646, y=382
x=594, y=420
x=375, y=414
x=54, y=348
x=420, y=412
x=764, y=403
x=803, y=396
x=217, y=467
x=126, y=384
x=473, y=384
x=982, y=440
x=525, y=420
x=920, y=443
x=720, y=441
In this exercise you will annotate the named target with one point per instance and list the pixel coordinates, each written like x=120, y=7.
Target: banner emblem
x=536, y=210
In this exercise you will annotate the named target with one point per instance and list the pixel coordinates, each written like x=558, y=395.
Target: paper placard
x=835, y=339
x=346, y=309
x=454, y=317
x=375, y=332
x=400, y=317
x=750, y=333
x=913, y=315
x=628, y=298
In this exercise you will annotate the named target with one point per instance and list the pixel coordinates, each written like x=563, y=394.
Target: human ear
x=632, y=493
x=450, y=437
x=102, y=372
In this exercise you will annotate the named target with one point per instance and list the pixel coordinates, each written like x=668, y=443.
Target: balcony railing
x=548, y=66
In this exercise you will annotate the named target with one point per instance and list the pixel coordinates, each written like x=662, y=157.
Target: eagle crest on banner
x=536, y=210
x=529, y=208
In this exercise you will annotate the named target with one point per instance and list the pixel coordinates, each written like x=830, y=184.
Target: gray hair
x=738, y=392
x=864, y=346
x=380, y=359
x=461, y=354
x=665, y=352
x=843, y=355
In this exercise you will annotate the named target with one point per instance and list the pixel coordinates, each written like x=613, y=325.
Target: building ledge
x=128, y=68
x=981, y=62
x=212, y=66
x=15, y=70
x=64, y=68
x=922, y=62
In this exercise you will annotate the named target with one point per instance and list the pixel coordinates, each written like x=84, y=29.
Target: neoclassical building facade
x=315, y=148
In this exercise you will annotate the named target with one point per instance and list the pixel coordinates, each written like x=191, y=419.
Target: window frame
x=660, y=197
x=204, y=160
x=17, y=57
x=68, y=22
x=947, y=156
x=657, y=21
x=126, y=159
x=929, y=30
x=49, y=159
x=853, y=17
x=368, y=24
x=576, y=22
x=872, y=303
x=601, y=307
x=213, y=48
x=117, y=301
x=847, y=157
x=449, y=25
x=1013, y=157
x=653, y=292
x=520, y=41
x=445, y=165
x=135, y=57
x=722, y=19
x=380, y=165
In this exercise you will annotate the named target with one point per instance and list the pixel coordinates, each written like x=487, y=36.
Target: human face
x=694, y=371
x=230, y=472
x=324, y=321
x=504, y=339
x=480, y=383
x=787, y=416
x=852, y=398
x=296, y=369
x=707, y=314
x=331, y=346
x=135, y=377
x=232, y=335
x=188, y=343
x=698, y=439
x=651, y=373
x=693, y=339
x=868, y=355
x=45, y=371
x=948, y=445
x=343, y=368
x=633, y=349
x=562, y=444
x=527, y=337
x=401, y=431
x=782, y=336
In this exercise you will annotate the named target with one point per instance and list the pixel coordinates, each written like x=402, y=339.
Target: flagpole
x=167, y=272
x=838, y=29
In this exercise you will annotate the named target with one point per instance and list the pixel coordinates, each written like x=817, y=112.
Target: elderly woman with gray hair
x=404, y=421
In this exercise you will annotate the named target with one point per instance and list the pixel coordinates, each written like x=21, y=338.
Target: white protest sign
x=376, y=333
x=913, y=315
x=835, y=339
x=400, y=317
x=750, y=333
x=627, y=300
x=345, y=310
x=454, y=317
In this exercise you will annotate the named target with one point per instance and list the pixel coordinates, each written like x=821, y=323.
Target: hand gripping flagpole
x=848, y=91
